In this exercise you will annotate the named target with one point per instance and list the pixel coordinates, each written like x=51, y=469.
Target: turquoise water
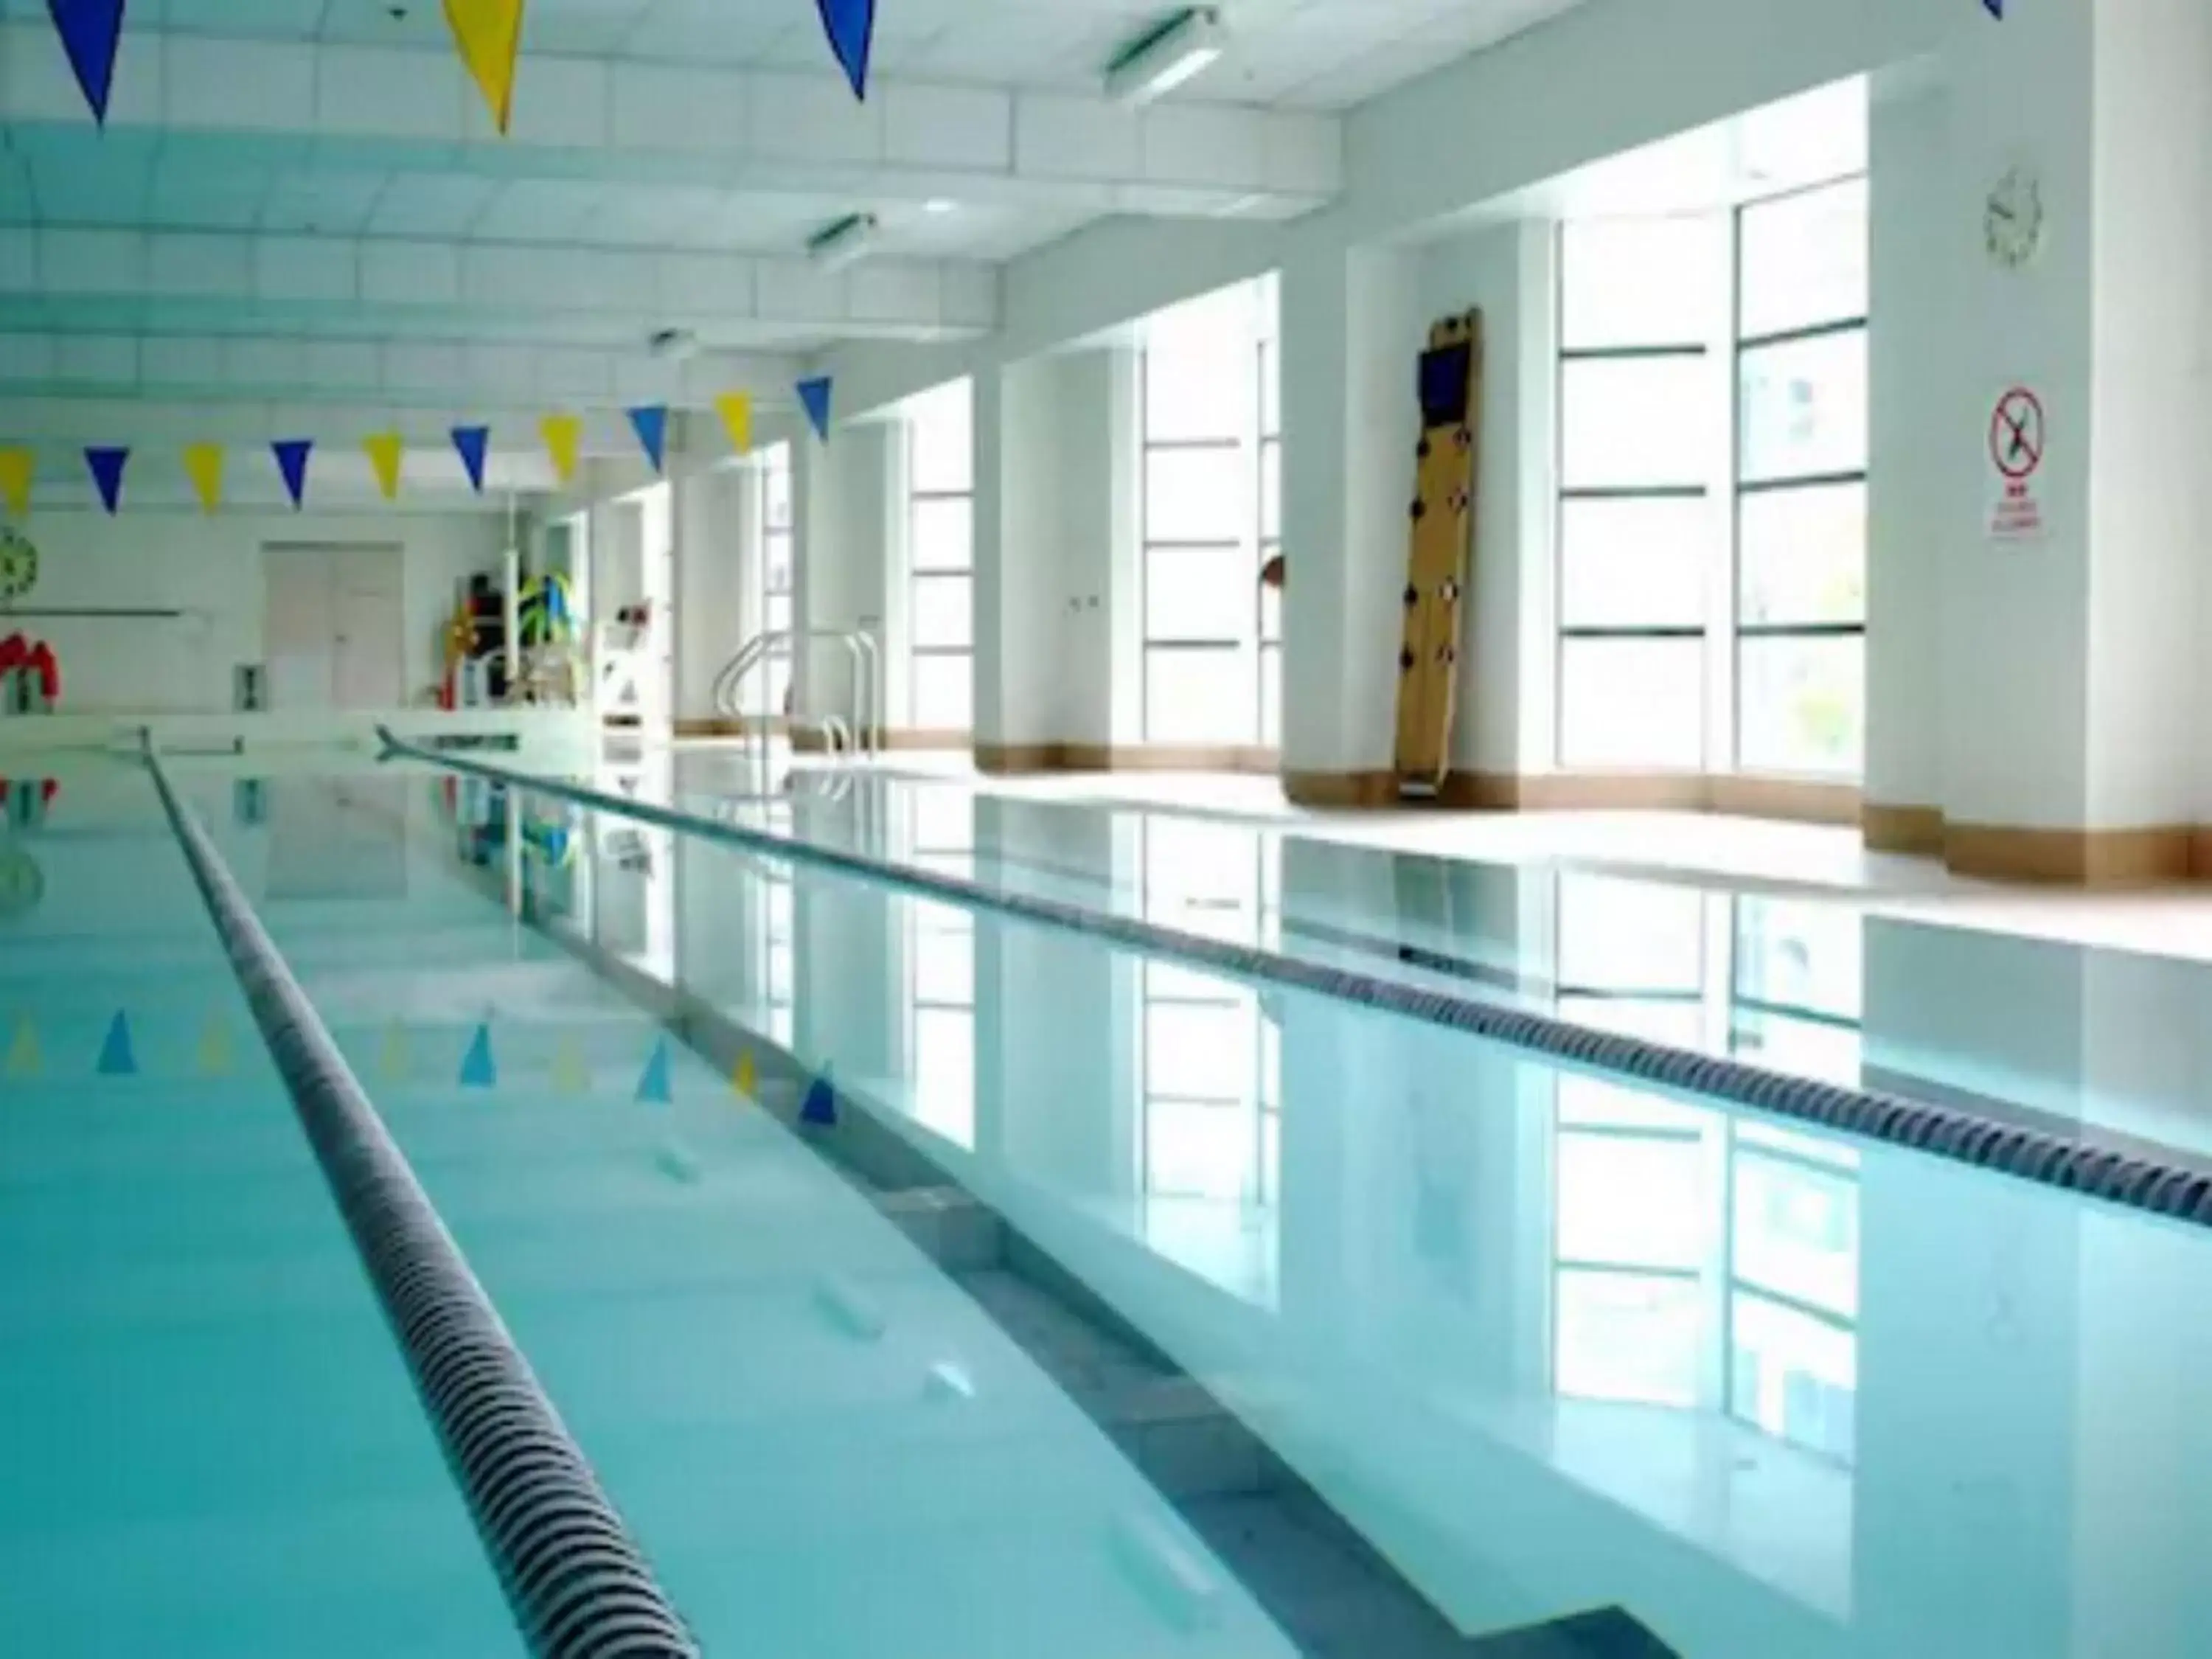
x=1544, y=1342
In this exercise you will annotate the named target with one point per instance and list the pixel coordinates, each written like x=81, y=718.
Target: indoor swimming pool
x=921, y=1279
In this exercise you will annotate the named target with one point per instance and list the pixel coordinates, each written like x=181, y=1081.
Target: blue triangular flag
x=90, y=30
x=472, y=441
x=478, y=1070
x=116, y=1059
x=820, y=1106
x=650, y=422
x=292, y=461
x=653, y=1089
x=851, y=27
x=1995, y=8
x=814, y=397
x=107, y=466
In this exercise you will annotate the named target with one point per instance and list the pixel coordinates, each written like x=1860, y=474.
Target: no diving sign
x=2016, y=445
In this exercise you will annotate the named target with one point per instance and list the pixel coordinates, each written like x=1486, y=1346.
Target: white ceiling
x=304, y=198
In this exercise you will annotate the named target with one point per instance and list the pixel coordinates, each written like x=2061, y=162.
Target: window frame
x=917, y=497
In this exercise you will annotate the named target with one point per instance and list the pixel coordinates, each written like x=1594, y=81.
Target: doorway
x=335, y=632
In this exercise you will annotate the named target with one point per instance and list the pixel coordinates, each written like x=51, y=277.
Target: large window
x=940, y=428
x=1800, y=505
x=1705, y=1261
x=775, y=591
x=1669, y=534
x=1212, y=517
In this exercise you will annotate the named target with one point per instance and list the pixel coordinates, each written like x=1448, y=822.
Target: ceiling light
x=1166, y=55
x=939, y=204
x=846, y=242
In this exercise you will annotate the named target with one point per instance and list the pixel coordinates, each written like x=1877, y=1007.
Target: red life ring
x=43, y=662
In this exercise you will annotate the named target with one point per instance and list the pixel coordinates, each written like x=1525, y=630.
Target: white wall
x=212, y=569
x=717, y=551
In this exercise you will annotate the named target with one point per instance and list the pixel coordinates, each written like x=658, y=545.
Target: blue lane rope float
x=2029, y=1154
x=578, y=1585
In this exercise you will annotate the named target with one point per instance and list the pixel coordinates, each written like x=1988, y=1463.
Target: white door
x=334, y=629
x=367, y=627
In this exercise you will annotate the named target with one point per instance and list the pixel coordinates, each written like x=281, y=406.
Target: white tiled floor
x=1742, y=853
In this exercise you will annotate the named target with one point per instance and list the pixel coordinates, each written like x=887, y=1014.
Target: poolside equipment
x=547, y=610
x=1450, y=385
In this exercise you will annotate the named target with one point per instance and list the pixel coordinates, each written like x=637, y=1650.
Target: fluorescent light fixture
x=939, y=204
x=847, y=242
x=1167, y=54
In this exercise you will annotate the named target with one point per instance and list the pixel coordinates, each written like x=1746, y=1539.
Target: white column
x=1351, y=337
x=2068, y=674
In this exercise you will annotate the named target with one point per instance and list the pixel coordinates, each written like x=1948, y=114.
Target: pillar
x=2057, y=740
x=1349, y=425
x=849, y=530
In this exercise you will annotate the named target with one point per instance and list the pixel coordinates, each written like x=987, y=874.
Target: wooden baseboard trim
x=1007, y=759
x=1362, y=790
x=1886, y=828
x=2080, y=858
x=1796, y=800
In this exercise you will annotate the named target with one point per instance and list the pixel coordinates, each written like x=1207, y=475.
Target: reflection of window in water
x=1210, y=1056
x=940, y=980
x=1705, y=1260
x=778, y=907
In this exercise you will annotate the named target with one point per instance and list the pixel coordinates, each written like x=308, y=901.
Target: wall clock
x=2012, y=218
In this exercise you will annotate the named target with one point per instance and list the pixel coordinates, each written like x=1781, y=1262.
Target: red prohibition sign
x=2016, y=434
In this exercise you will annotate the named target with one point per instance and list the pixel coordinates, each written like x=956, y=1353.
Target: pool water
x=1516, y=1343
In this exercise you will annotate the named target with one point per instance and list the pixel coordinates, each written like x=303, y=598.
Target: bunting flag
x=746, y=1078
x=204, y=462
x=384, y=450
x=215, y=1056
x=90, y=31
x=17, y=468
x=562, y=433
x=472, y=441
x=650, y=422
x=851, y=27
x=737, y=412
x=572, y=1073
x=488, y=33
x=814, y=397
x=292, y=461
x=478, y=1071
x=116, y=1056
x=106, y=465
x=393, y=1061
x=23, y=1057
x=653, y=1089
x=819, y=1108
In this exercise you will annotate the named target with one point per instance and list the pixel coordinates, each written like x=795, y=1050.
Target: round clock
x=19, y=566
x=2013, y=219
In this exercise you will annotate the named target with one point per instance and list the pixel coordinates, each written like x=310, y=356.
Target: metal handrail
x=861, y=734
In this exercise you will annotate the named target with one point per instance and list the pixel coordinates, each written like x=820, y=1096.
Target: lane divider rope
x=577, y=1583
x=2029, y=1154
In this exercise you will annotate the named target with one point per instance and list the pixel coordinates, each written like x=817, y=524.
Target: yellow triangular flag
x=394, y=1062
x=488, y=33
x=571, y=1074
x=215, y=1047
x=16, y=468
x=384, y=449
x=23, y=1058
x=746, y=1079
x=203, y=464
x=737, y=412
x=563, y=433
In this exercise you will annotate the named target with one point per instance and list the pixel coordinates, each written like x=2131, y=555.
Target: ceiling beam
x=668, y=124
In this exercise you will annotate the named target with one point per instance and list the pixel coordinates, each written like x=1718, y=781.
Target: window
x=1703, y=1261
x=940, y=957
x=1212, y=511
x=775, y=595
x=940, y=428
x=1801, y=468
x=1640, y=305
x=1651, y=559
